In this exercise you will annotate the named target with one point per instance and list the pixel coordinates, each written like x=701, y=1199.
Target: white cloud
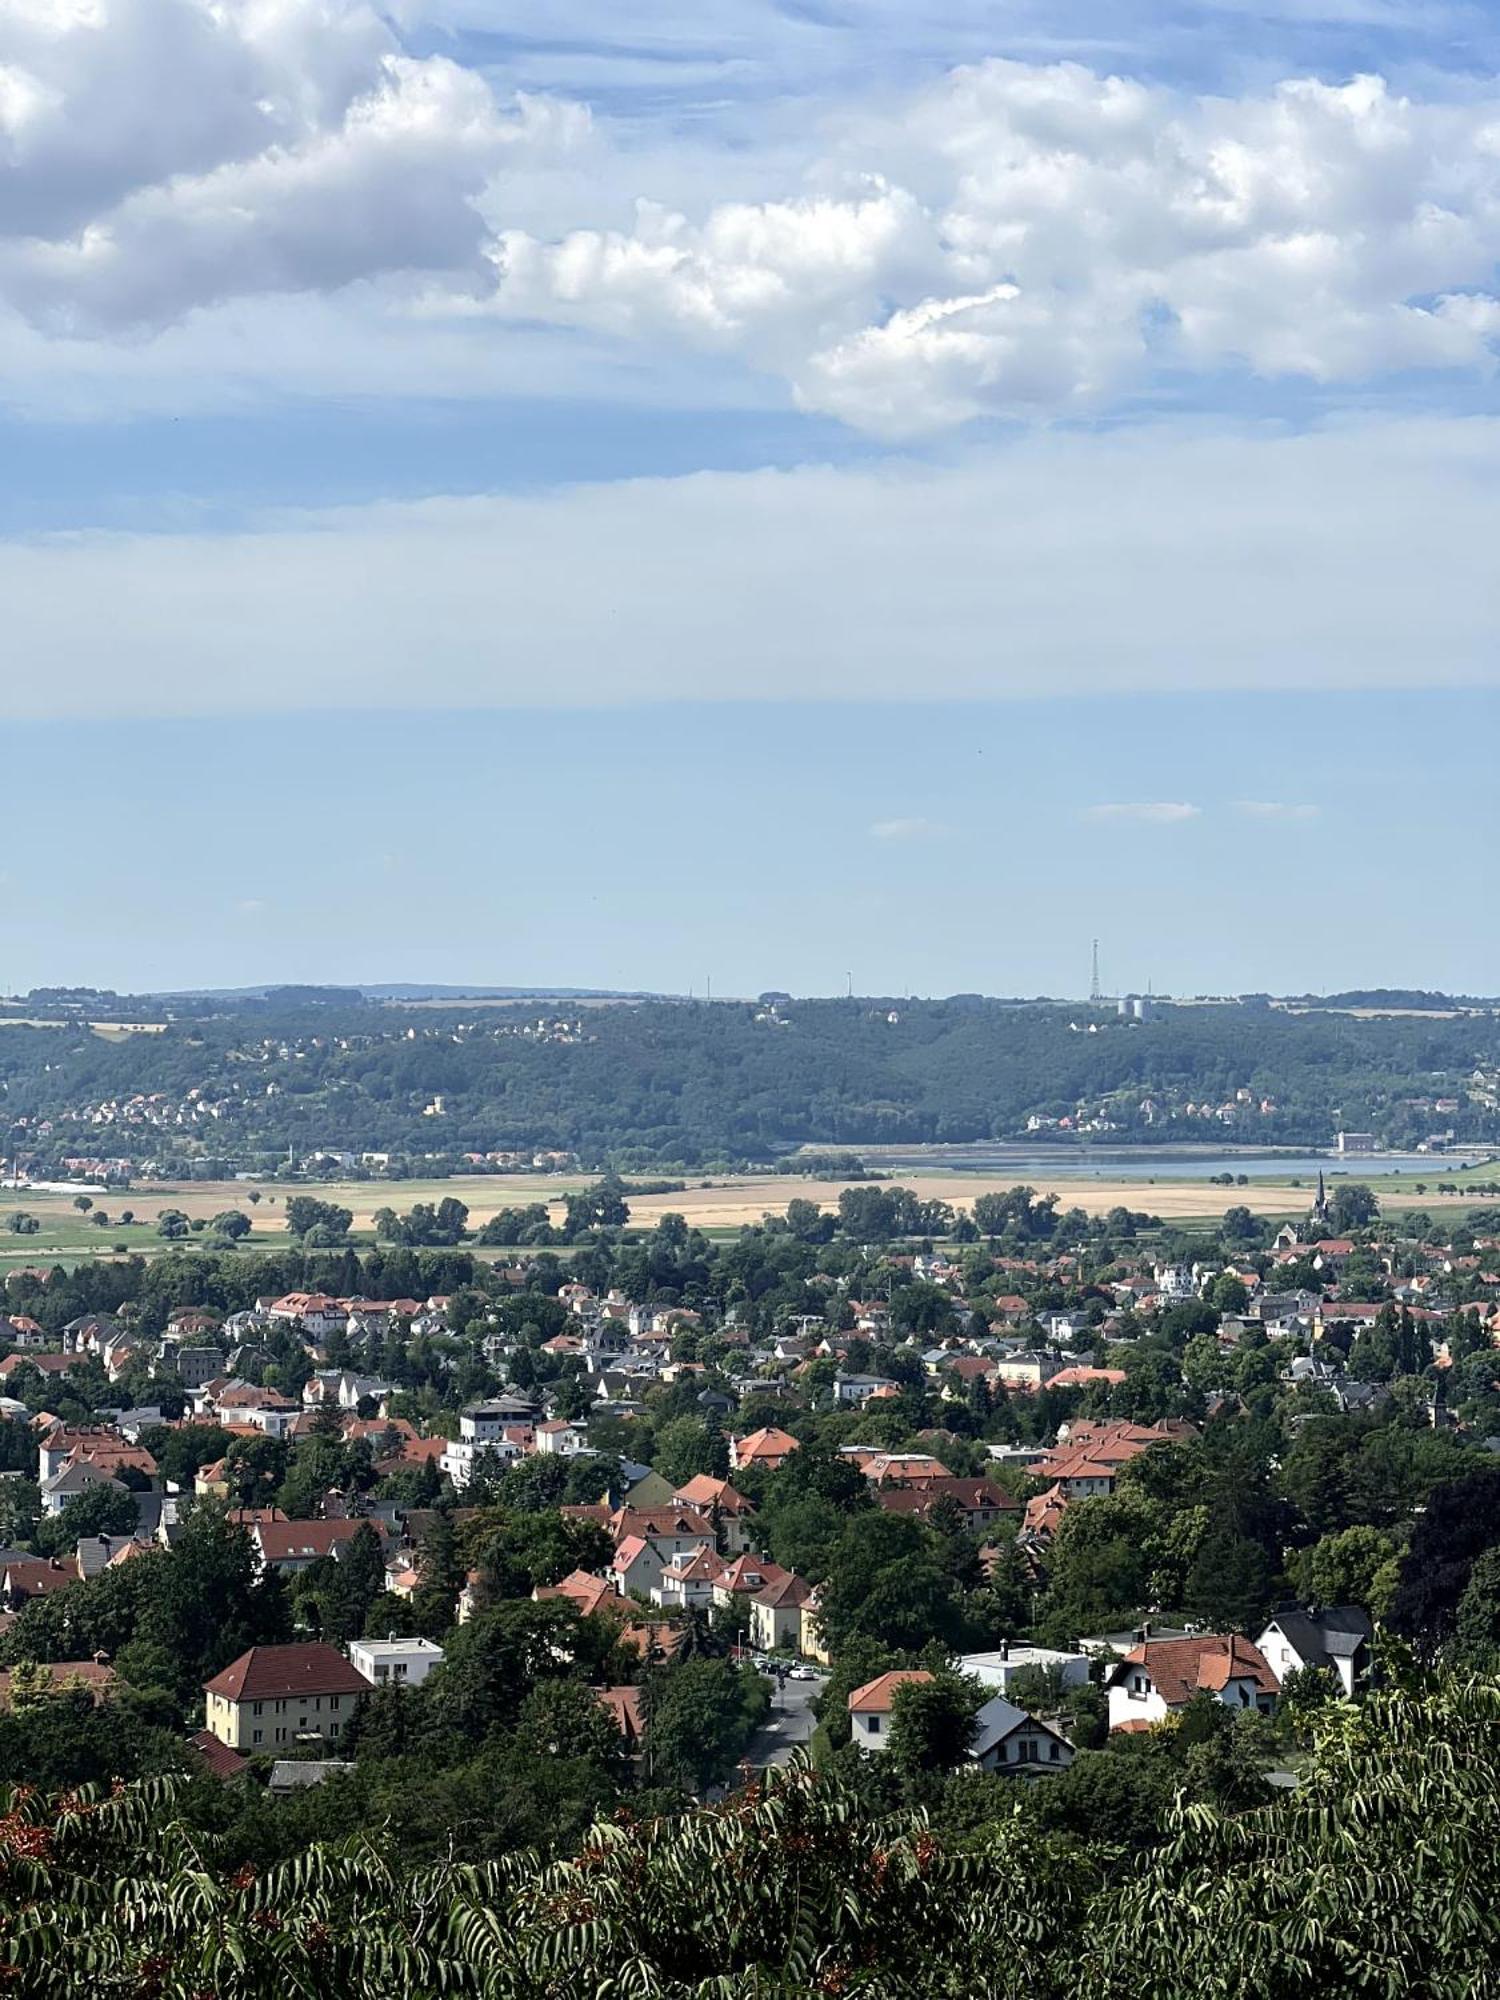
x=1273, y=809
x=1156, y=812
x=908, y=829
x=1016, y=239
x=165, y=155
x=1022, y=240
x=1358, y=559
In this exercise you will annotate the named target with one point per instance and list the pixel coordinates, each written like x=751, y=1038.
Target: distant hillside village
x=1089, y=1509
x=213, y=1088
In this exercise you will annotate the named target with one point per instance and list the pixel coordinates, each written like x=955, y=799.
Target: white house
x=1159, y=1677
x=687, y=1583
x=1336, y=1640
x=562, y=1440
x=1008, y=1740
x=1001, y=1669
x=395, y=1662
x=481, y=1432
x=871, y=1707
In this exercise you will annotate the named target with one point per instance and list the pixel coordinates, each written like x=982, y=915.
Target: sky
x=618, y=497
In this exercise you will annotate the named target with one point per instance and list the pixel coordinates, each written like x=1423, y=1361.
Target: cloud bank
x=1015, y=240
x=1070, y=564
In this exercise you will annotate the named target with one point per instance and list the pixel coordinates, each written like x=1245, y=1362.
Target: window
x=1054, y=1752
x=872, y=1723
x=333, y=1729
x=255, y=1708
x=257, y=1736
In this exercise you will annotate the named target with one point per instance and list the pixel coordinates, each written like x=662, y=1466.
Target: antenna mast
x=1095, y=990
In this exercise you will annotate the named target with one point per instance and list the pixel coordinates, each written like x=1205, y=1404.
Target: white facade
x=400, y=1662
x=1000, y=1670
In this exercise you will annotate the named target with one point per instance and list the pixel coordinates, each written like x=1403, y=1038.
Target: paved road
x=790, y=1724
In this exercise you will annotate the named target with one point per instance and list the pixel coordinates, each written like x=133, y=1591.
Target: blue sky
x=613, y=496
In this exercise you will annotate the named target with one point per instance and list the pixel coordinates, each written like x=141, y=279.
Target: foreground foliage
x=1379, y=1875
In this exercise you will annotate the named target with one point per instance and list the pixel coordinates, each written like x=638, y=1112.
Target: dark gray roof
x=1321, y=1636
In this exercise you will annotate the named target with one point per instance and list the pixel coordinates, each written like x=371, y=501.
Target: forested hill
x=697, y=1084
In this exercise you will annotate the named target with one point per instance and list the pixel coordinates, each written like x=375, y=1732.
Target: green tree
x=699, y=1718
x=932, y=1722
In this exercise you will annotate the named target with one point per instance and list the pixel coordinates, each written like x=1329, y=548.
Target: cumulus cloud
x=908, y=829
x=1359, y=559
x=1016, y=239
x=1273, y=809
x=166, y=155
x=1024, y=239
x=1155, y=812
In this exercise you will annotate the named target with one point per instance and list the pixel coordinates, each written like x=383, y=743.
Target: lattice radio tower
x=1096, y=991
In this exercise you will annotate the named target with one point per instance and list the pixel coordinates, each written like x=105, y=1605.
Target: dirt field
x=721, y=1205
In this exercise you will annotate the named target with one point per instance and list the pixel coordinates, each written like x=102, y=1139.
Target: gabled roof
x=219, y=1759
x=1321, y=1636
x=703, y=1491
x=580, y=1588
x=294, y=1541
x=788, y=1593
x=625, y=1706
x=1181, y=1668
x=877, y=1697
x=274, y=1673
x=750, y=1573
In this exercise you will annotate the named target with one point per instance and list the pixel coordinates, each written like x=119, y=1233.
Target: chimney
x=1005, y=1649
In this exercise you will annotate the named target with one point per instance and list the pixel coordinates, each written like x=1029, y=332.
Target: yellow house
x=813, y=1645
x=272, y=1695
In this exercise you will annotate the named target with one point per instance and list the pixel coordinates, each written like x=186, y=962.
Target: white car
x=801, y=1674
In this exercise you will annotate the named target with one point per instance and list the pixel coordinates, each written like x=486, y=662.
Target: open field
x=720, y=1205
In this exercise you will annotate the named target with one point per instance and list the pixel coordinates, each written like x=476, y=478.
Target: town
x=1097, y=1510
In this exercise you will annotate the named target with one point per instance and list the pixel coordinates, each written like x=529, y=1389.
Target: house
x=300, y=1774
x=274, y=1695
x=1336, y=1641
x=217, y=1758
x=980, y=1501
x=727, y=1511
x=858, y=1389
x=625, y=1706
x=395, y=1662
x=74, y=1479
x=769, y=1448
x=1008, y=1740
x=310, y=1312
x=64, y=1677
x=562, y=1440
x=687, y=1582
x=747, y=1576
x=871, y=1706
x=1003, y=1668
x=482, y=1436
x=636, y=1566
x=290, y=1546
x=25, y=1577
x=1086, y=1465
x=580, y=1588
x=1160, y=1676
x=776, y=1614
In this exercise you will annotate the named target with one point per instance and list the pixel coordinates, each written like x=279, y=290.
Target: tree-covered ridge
x=675, y=1082
x=1379, y=1873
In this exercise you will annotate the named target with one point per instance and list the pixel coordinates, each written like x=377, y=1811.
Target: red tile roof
x=272, y=1673
x=878, y=1696
x=221, y=1761
x=1181, y=1668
